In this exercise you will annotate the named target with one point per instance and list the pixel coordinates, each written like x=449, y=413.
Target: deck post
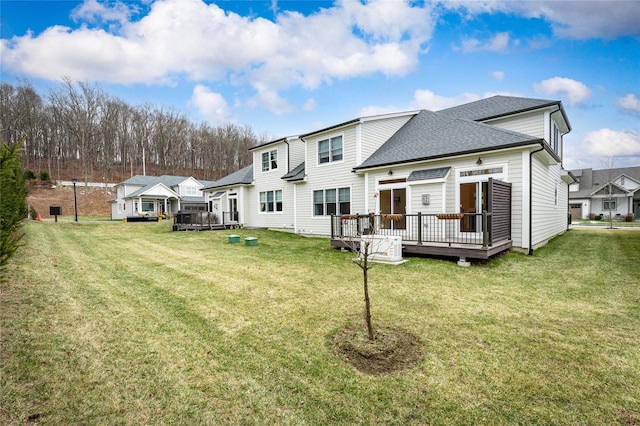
x=485, y=230
x=419, y=228
x=332, y=226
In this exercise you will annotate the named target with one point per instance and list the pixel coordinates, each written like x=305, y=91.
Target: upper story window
x=269, y=160
x=330, y=150
x=555, y=137
x=191, y=191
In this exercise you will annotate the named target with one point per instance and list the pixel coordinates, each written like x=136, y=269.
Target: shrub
x=13, y=205
x=629, y=218
x=45, y=177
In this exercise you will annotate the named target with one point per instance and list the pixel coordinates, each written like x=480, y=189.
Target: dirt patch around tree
x=392, y=349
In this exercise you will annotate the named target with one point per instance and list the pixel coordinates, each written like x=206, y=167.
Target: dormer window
x=269, y=160
x=330, y=150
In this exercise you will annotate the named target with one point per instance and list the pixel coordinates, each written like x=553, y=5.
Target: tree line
x=79, y=130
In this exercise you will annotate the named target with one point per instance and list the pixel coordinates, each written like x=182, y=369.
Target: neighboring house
x=156, y=195
x=599, y=192
x=411, y=166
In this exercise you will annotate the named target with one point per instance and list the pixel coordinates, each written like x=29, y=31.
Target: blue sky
x=291, y=67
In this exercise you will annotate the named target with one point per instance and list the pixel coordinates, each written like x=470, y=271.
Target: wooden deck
x=461, y=251
x=199, y=221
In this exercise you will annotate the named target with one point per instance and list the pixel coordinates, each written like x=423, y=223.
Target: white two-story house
x=426, y=176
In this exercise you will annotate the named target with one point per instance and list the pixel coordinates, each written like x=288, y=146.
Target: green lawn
x=116, y=323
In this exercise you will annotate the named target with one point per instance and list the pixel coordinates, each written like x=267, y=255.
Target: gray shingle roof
x=593, y=180
x=145, y=189
x=496, y=106
x=427, y=174
x=430, y=135
x=296, y=174
x=168, y=180
x=241, y=177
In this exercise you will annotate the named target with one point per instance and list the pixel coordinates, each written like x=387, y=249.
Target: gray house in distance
x=599, y=192
x=157, y=195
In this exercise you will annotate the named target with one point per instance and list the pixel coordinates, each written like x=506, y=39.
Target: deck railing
x=230, y=217
x=455, y=228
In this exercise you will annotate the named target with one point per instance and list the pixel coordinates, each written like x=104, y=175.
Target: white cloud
x=612, y=143
x=270, y=100
x=373, y=110
x=203, y=42
x=497, y=75
x=574, y=91
x=93, y=11
x=429, y=100
x=426, y=99
x=310, y=105
x=211, y=105
x=571, y=19
x=630, y=102
x=500, y=43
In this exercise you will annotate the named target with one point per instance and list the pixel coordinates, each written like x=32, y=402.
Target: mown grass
x=115, y=323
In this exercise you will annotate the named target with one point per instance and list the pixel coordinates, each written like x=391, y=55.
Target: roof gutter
x=286, y=140
x=530, y=252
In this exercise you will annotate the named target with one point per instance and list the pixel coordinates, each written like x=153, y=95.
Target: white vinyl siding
x=548, y=220
x=296, y=153
x=529, y=124
x=271, y=182
x=376, y=132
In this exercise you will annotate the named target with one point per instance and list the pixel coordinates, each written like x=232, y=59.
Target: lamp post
x=75, y=199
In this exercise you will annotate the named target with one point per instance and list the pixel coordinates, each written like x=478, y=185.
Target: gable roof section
x=243, y=176
x=431, y=135
x=604, y=190
x=154, y=190
x=297, y=174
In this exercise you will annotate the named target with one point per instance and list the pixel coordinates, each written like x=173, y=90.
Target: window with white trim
x=609, y=204
x=271, y=201
x=269, y=160
x=191, y=191
x=148, y=206
x=332, y=201
x=330, y=150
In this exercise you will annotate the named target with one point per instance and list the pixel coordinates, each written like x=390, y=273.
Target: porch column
x=139, y=205
x=166, y=211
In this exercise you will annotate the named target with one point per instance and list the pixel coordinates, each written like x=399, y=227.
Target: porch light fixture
x=390, y=173
x=479, y=162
